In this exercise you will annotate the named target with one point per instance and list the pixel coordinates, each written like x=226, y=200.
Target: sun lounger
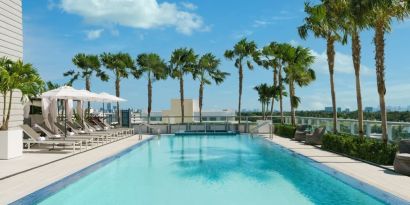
x=402, y=160
x=99, y=136
x=99, y=128
x=316, y=137
x=50, y=135
x=105, y=126
x=300, y=133
x=37, y=139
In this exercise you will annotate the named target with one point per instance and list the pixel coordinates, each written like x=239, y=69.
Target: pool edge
x=349, y=180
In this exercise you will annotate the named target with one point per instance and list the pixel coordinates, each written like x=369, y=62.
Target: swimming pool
x=203, y=170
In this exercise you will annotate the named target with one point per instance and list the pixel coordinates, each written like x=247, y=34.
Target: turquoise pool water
x=205, y=170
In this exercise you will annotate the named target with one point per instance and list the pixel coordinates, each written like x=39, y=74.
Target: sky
x=56, y=30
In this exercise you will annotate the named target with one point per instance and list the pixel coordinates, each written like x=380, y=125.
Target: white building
x=11, y=29
x=191, y=113
x=11, y=46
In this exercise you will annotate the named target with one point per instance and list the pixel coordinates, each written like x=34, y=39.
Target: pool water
x=205, y=170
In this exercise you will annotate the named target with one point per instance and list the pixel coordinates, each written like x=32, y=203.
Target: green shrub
x=285, y=130
x=372, y=150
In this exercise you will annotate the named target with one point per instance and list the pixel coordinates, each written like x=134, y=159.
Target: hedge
x=368, y=149
x=285, y=130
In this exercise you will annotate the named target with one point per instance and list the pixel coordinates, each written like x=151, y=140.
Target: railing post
x=389, y=132
x=168, y=127
x=368, y=129
x=246, y=129
x=352, y=127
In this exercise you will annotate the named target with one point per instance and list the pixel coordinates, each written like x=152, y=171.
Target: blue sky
x=55, y=30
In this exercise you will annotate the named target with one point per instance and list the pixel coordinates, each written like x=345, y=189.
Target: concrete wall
x=17, y=111
x=11, y=29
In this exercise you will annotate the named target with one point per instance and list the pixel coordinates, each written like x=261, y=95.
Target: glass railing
x=171, y=124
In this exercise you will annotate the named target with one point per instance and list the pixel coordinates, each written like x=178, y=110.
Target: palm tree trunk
x=263, y=109
x=88, y=87
x=181, y=92
x=201, y=95
x=331, y=63
x=275, y=83
x=292, y=109
x=356, y=49
x=4, y=109
x=149, y=98
x=117, y=93
x=6, y=122
x=280, y=95
x=381, y=87
x=240, y=91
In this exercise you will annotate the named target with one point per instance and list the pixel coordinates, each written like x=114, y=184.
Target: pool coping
x=349, y=180
x=50, y=189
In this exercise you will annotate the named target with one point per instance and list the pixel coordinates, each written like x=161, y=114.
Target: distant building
x=328, y=109
x=368, y=109
x=109, y=107
x=191, y=113
x=339, y=109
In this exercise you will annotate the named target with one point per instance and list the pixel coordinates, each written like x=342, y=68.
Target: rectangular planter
x=11, y=144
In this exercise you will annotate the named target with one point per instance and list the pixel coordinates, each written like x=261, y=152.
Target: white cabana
x=68, y=94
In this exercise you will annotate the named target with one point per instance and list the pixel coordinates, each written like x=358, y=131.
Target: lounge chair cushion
x=404, y=146
x=300, y=136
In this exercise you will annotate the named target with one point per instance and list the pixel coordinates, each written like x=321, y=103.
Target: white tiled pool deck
x=22, y=184
x=385, y=180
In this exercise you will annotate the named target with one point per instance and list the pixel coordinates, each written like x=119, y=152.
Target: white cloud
x=94, y=34
x=242, y=34
x=293, y=42
x=260, y=23
x=189, y=5
x=144, y=14
x=343, y=64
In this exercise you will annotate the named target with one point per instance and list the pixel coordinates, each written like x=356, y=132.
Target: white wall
x=11, y=29
x=17, y=112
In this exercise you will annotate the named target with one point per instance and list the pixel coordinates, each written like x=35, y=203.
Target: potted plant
x=14, y=77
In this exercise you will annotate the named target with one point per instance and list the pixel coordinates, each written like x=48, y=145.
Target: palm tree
x=120, y=64
x=17, y=75
x=243, y=52
x=5, y=67
x=352, y=22
x=51, y=86
x=183, y=61
x=266, y=94
x=207, y=71
x=298, y=72
x=381, y=13
x=322, y=21
x=155, y=69
x=283, y=50
x=88, y=65
x=269, y=60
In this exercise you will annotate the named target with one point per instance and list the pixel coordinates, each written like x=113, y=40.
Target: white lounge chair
x=37, y=139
